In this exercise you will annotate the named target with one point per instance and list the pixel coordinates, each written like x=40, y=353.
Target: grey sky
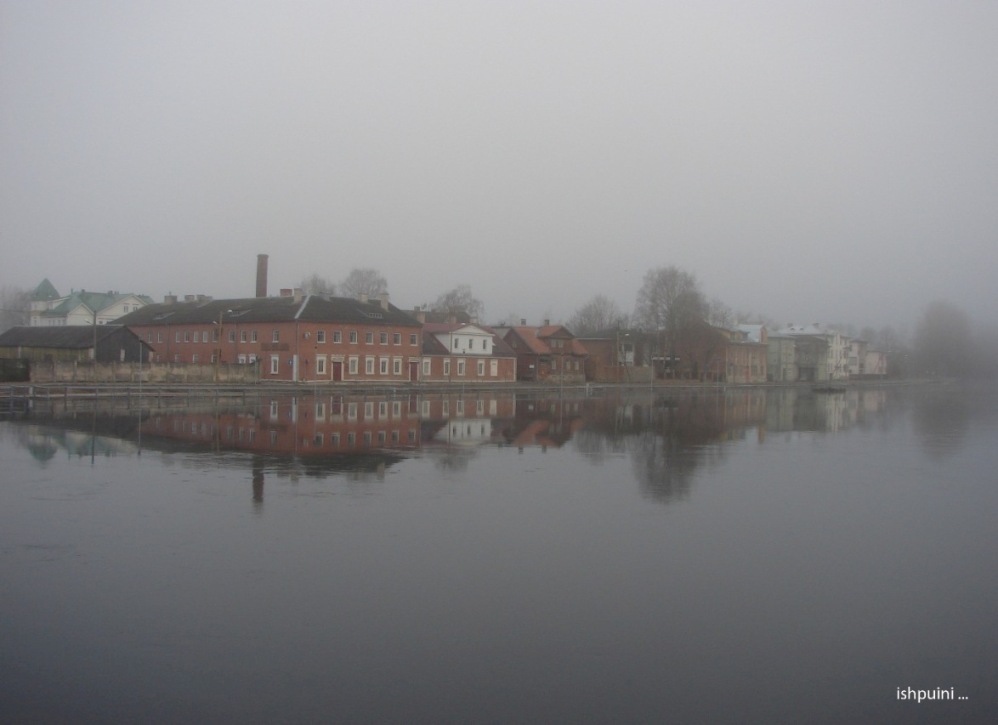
x=811, y=161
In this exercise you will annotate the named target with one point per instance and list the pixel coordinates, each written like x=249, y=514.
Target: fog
x=829, y=161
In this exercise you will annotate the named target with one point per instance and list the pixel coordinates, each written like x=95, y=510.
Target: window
x=232, y=335
x=384, y=366
x=382, y=409
x=337, y=336
x=275, y=364
x=397, y=366
x=447, y=367
x=460, y=367
x=187, y=336
x=485, y=344
x=242, y=336
x=159, y=337
x=427, y=366
x=368, y=411
x=383, y=338
x=481, y=368
x=353, y=365
x=276, y=336
x=369, y=338
x=194, y=358
x=204, y=336
x=320, y=336
x=320, y=365
x=353, y=337
x=412, y=338
x=457, y=343
x=253, y=336
x=369, y=365
x=493, y=367
x=397, y=338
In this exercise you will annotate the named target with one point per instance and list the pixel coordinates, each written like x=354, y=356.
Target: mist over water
x=729, y=556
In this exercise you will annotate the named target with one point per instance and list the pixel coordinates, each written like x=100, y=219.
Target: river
x=692, y=556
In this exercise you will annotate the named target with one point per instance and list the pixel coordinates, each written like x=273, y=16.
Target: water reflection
x=668, y=437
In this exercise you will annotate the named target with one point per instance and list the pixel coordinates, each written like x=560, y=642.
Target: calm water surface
x=737, y=556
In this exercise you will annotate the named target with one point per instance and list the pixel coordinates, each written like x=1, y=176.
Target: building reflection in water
x=668, y=436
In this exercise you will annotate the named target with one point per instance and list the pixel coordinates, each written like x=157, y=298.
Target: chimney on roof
x=170, y=299
x=547, y=322
x=286, y=292
x=261, y=275
x=420, y=315
x=523, y=322
x=297, y=294
x=383, y=299
x=362, y=297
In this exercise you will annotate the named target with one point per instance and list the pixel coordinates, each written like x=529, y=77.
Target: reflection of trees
x=663, y=465
x=675, y=444
x=941, y=420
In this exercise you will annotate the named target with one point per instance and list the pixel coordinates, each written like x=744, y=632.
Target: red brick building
x=292, y=338
x=547, y=354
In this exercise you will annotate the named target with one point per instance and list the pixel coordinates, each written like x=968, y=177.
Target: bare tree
x=668, y=304
x=316, y=284
x=459, y=301
x=368, y=282
x=719, y=314
x=943, y=340
x=598, y=314
x=15, y=307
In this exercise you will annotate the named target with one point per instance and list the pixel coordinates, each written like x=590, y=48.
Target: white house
x=50, y=309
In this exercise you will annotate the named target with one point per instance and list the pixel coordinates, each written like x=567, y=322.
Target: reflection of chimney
x=261, y=275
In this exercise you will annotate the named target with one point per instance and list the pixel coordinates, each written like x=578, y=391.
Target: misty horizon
x=829, y=162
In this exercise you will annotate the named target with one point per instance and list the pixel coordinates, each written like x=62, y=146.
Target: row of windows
x=353, y=337
x=462, y=367
x=195, y=336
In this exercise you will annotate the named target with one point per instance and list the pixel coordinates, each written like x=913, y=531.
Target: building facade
x=292, y=338
x=547, y=354
x=465, y=353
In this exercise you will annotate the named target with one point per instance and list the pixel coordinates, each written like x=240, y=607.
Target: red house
x=548, y=353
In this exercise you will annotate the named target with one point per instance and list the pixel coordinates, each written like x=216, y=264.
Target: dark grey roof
x=311, y=308
x=63, y=336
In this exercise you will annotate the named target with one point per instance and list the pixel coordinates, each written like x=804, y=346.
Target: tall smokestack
x=261, y=275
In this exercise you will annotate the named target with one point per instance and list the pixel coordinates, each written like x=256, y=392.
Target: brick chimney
x=261, y=275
